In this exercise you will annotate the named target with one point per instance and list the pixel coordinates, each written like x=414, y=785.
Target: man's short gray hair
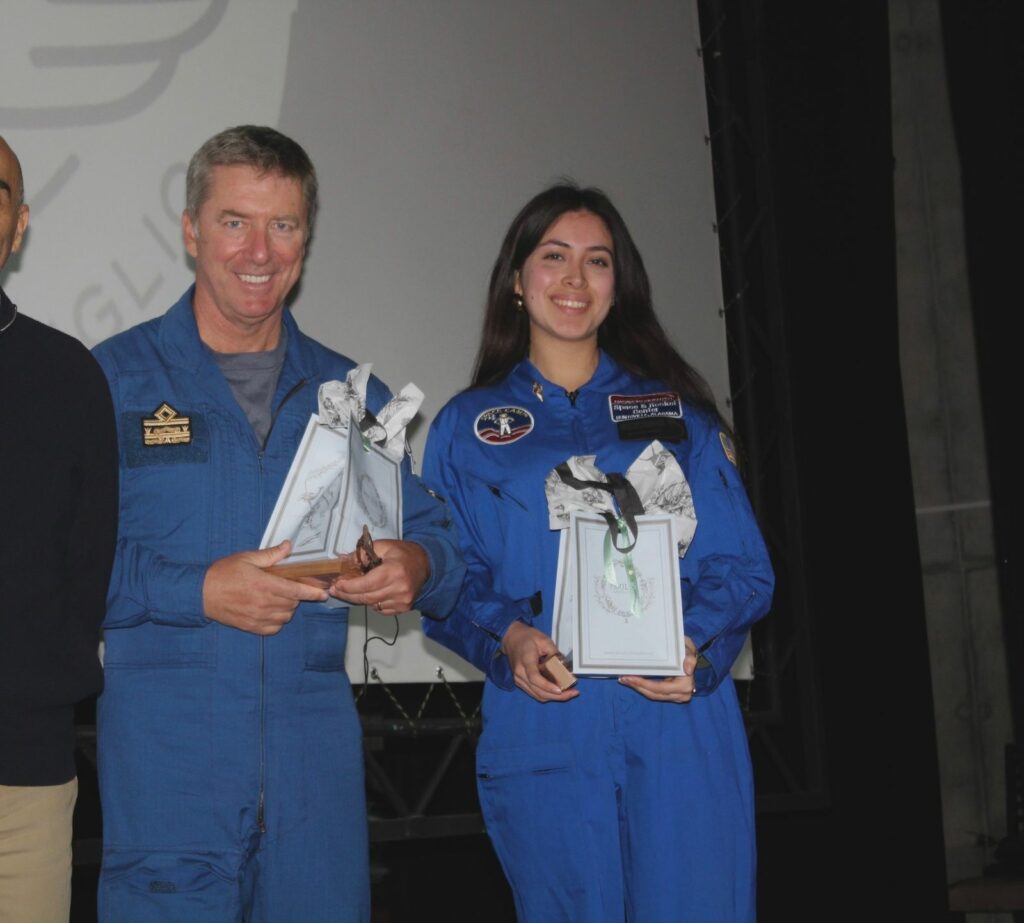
x=265, y=149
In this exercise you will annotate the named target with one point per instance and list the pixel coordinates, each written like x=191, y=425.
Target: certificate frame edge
x=666, y=668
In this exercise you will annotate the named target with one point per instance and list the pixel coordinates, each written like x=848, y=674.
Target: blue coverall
x=230, y=764
x=609, y=806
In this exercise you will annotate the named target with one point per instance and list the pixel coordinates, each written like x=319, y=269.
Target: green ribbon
x=621, y=525
x=611, y=548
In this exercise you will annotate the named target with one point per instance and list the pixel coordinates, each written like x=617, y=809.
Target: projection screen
x=430, y=121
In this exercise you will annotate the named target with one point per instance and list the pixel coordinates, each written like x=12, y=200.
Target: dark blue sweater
x=58, y=523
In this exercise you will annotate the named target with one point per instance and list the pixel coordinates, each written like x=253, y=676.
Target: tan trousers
x=35, y=852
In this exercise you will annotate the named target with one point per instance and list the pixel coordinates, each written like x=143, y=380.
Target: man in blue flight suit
x=230, y=759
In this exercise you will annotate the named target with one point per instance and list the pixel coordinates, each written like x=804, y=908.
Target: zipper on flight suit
x=301, y=383
x=261, y=821
x=579, y=428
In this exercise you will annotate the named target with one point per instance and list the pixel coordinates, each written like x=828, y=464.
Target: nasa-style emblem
x=502, y=425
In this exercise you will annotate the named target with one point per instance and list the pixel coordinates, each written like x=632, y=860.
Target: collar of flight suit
x=608, y=377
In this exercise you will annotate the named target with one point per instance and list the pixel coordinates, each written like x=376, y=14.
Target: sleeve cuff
x=181, y=602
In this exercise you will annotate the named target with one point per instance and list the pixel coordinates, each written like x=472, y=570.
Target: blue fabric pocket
x=324, y=640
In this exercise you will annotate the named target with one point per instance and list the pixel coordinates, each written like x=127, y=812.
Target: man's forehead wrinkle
x=247, y=213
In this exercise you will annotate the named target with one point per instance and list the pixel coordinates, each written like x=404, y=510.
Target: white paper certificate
x=333, y=488
x=628, y=611
x=373, y=494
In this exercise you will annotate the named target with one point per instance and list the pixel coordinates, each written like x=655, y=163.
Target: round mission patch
x=502, y=425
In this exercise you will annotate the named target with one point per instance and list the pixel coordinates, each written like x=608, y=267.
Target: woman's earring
x=517, y=300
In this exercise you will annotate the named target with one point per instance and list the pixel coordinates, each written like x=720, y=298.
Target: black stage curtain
x=984, y=46
x=875, y=852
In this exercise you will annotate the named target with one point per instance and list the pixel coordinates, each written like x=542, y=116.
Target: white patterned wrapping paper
x=341, y=400
x=655, y=475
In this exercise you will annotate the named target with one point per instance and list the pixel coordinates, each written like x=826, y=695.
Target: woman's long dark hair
x=631, y=333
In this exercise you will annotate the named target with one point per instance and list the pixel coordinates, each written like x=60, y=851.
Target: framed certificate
x=625, y=609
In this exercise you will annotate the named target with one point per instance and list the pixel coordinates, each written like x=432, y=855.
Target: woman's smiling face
x=568, y=282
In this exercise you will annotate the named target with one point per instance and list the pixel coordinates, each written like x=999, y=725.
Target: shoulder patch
x=501, y=425
x=728, y=447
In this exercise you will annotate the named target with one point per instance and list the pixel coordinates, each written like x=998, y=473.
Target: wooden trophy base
x=322, y=573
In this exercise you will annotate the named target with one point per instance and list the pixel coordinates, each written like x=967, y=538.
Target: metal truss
x=418, y=748
x=781, y=704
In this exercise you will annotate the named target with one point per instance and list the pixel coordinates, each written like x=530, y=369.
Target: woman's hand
x=673, y=688
x=525, y=648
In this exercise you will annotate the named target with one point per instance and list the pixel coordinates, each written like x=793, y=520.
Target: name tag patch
x=165, y=436
x=625, y=408
x=502, y=425
x=648, y=416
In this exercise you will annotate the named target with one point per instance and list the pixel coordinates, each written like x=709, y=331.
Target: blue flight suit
x=609, y=806
x=231, y=771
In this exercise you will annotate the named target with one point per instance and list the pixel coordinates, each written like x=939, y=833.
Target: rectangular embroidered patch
x=137, y=453
x=626, y=408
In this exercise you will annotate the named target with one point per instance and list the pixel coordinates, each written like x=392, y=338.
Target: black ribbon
x=368, y=422
x=624, y=494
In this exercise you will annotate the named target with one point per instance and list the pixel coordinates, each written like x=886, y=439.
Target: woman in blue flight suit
x=611, y=800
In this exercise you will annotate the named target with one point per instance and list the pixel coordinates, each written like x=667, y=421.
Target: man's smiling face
x=248, y=241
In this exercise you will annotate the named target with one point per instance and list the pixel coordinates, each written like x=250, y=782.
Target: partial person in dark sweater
x=58, y=524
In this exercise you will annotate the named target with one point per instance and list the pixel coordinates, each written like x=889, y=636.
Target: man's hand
x=238, y=593
x=672, y=688
x=391, y=587
x=525, y=648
